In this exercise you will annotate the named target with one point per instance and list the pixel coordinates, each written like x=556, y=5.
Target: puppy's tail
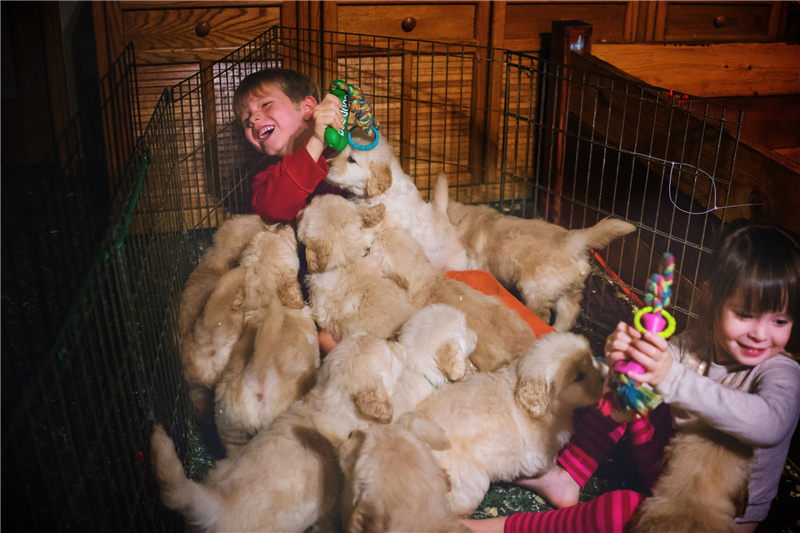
x=599, y=235
x=194, y=501
x=440, y=195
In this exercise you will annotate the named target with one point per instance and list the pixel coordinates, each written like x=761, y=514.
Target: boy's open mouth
x=265, y=132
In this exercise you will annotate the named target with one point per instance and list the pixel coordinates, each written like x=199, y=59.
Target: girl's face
x=748, y=338
x=275, y=125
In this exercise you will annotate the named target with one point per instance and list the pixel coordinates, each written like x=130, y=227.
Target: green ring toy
x=666, y=332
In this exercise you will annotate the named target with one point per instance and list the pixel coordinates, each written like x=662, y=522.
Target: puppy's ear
x=372, y=216
x=290, y=294
x=451, y=361
x=317, y=257
x=380, y=178
x=373, y=403
x=238, y=299
x=533, y=395
x=426, y=430
x=367, y=518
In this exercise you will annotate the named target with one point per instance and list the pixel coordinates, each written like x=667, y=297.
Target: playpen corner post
x=567, y=36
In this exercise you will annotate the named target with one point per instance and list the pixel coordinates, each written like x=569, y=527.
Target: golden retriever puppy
x=502, y=335
x=211, y=317
x=287, y=477
x=207, y=346
x=276, y=359
x=434, y=346
x=547, y=264
x=392, y=482
x=348, y=293
x=512, y=422
x=377, y=276
x=376, y=177
x=702, y=487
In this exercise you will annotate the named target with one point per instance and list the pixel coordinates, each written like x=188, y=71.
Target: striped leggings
x=594, y=437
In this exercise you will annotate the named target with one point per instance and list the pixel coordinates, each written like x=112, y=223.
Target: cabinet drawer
x=193, y=33
x=525, y=22
x=717, y=21
x=448, y=22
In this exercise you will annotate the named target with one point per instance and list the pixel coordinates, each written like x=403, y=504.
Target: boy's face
x=275, y=125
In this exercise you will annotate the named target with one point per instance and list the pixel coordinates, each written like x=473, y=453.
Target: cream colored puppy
x=393, y=483
x=514, y=421
x=375, y=177
x=367, y=276
x=348, y=293
x=211, y=316
x=434, y=346
x=287, y=477
x=275, y=361
x=702, y=487
x=546, y=263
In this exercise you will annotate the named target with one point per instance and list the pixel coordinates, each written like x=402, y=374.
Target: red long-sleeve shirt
x=283, y=189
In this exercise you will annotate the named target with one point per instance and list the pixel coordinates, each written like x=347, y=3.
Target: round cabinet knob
x=409, y=23
x=719, y=21
x=203, y=28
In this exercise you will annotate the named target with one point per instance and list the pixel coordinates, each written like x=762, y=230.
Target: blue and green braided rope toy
x=352, y=104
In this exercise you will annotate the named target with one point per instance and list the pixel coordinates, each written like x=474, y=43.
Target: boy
x=282, y=115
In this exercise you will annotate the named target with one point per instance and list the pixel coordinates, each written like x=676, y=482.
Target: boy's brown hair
x=295, y=85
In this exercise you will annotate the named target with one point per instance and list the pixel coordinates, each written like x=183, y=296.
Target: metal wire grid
x=54, y=218
x=592, y=145
x=75, y=453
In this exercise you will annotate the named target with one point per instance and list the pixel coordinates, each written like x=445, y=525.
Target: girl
x=733, y=374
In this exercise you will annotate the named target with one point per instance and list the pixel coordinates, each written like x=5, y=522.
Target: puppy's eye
x=350, y=159
x=580, y=377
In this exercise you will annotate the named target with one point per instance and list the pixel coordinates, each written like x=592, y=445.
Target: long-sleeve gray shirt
x=758, y=405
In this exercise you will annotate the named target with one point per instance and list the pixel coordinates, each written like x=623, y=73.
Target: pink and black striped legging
x=594, y=437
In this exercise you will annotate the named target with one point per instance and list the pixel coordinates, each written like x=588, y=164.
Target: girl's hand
x=650, y=350
x=619, y=342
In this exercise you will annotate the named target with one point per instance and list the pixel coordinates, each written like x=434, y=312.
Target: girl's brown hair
x=761, y=264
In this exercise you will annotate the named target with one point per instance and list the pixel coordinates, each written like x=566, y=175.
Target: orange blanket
x=487, y=284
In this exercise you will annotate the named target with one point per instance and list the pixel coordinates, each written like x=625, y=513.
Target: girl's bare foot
x=487, y=525
x=556, y=486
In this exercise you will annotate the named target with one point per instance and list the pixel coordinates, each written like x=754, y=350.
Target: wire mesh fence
x=532, y=138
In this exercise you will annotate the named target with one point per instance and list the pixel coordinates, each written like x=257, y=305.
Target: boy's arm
x=282, y=190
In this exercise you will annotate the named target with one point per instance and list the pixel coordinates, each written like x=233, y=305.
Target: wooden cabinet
x=711, y=22
x=521, y=26
x=458, y=22
x=174, y=40
x=168, y=34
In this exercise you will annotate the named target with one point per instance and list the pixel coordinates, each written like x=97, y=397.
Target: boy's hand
x=650, y=350
x=327, y=113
